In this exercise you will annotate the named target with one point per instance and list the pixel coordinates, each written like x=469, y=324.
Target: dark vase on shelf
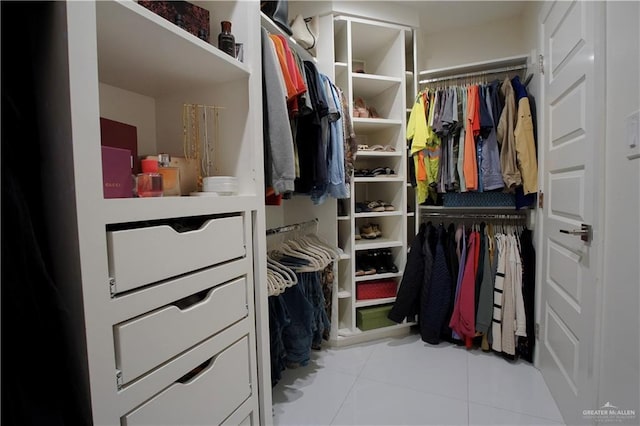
x=226, y=40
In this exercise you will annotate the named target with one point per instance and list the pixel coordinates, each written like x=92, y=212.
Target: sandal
x=375, y=206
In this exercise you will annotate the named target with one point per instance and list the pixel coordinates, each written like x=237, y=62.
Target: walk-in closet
x=321, y=212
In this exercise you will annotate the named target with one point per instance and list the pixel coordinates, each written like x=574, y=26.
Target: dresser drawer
x=153, y=338
x=207, y=398
x=146, y=255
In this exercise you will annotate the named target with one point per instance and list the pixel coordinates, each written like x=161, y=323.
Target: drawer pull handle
x=198, y=370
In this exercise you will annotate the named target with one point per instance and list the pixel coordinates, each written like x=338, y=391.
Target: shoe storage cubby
x=369, y=65
x=167, y=324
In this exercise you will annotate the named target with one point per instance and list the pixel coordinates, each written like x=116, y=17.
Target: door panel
x=571, y=149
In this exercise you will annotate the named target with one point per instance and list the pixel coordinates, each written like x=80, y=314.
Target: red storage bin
x=376, y=289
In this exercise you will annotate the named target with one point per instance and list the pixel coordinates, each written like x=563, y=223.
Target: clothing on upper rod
x=474, y=137
x=472, y=282
x=309, y=140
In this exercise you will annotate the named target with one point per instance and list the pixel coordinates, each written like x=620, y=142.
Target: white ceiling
x=436, y=16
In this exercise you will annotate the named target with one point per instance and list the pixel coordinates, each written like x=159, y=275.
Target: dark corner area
x=37, y=380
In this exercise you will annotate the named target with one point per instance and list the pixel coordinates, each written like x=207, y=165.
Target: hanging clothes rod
x=494, y=216
x=474, y=74
x=293, y=227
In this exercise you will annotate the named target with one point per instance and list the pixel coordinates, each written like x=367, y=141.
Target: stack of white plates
x=218, y=185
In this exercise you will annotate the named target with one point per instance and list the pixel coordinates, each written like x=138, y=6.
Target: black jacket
x=417, y=273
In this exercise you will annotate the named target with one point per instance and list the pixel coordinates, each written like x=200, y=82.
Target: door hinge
x=541, y=64
x=119, y=383
x=112, y=287
x=537, y=331
x=540, y=199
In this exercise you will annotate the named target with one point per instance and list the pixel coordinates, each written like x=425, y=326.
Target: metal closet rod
x=494, y=216
x=474, y=74
x=292, y=227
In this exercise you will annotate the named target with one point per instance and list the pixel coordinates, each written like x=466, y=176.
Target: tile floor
x=405, y=381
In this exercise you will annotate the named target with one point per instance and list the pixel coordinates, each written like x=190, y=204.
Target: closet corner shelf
x=378, y=179
x=374, y=302
x=369, y=86
x=378, y=243
x=127, y=60
x=344, y=294
x=373, y=124
x=273, y=28
x=344, y=256
x=378, y=214
x=411, y=214
x=378, y=276
x=340, y=65
x=344, y=218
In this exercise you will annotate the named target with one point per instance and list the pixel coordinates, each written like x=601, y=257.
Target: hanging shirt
x=472, y=130
x=463, y=319
x=506, y=138
x=496, y=323
x=490, y=165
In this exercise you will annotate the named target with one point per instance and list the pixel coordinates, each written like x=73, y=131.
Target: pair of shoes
x=370, y=231
x=382, y=148
x=360, y=109
x=363, y=265
x=382, y=171
x=381, y=260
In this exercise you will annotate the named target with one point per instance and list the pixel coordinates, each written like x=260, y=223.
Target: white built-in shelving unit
x=170, y=327
x=378, y=49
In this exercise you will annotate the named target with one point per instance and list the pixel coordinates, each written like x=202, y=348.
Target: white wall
x=498, y=39
x=620, y=356
x=133, y=109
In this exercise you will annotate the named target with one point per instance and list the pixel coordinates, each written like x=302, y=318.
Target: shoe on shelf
x=387, y=207
x=367, y=232
x=377, y=261
x=382, y=171
x=363, y=265
x=360, y=109
x=376, y=229
x=375, y=206
x=387, y=259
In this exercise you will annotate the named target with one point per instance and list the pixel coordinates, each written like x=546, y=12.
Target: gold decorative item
x=201, y=138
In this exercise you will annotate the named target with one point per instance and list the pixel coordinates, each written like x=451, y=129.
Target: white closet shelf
x=378, y=243
x=374, y=124
x=378, y=179
x=340, y=65
x=374, y=302
x=273, y=28
x=379, y=154
x=344, y=294
x=378, y=276
x=411, y=214
x=144, y=53
x=472, y=209
x=121, y=210
x=474, y=66
x=344, y=217
x=378, y=214
x=344, y=256
x=368, y=86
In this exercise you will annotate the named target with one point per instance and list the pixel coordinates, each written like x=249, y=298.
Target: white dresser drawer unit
x=142, y=256
x=149, y=340
x=208, y=398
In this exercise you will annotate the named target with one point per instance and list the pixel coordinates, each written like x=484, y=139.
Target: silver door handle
x=585, y=232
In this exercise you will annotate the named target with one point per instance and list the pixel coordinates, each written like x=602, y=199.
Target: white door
x=571, y=151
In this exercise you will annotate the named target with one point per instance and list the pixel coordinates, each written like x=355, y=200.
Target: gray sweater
x=278, y=137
